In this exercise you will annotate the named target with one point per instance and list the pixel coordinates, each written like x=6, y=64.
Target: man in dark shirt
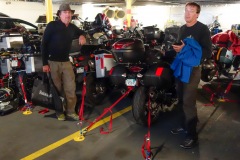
x=187, y=92
x=56, y=44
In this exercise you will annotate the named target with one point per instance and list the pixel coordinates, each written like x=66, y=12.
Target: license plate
x=14, y=63
x=80, y=69
x=130, y=82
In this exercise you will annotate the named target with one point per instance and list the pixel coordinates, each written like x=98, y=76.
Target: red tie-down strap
x=84, y=90
x=2, y=80
x=212, y=95
x=81, y=115
x=43, y=111
x=147, y=142
x=228, y=88
x=23, y=89
x=230, y=84
x=109, y=126
x=110, y=109
x=146, y=146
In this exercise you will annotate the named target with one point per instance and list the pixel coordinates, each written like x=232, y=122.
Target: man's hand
x=82, y=40
x=46, y=68
x=178, y=48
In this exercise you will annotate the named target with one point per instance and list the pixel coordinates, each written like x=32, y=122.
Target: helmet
x=209, y=70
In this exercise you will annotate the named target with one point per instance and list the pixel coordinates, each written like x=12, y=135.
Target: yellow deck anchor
x=80, y=137
x=27, y=111
x=221, y=100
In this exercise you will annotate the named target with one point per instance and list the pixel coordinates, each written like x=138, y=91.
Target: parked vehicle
x=94, y=61
x=145, y=69
x=219, y=64
x=15, y=25
x=3, y=15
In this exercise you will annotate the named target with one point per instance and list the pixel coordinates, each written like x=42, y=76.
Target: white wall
x=227, y=14
x=147, y=15
x=162, y=15
x=29, y=11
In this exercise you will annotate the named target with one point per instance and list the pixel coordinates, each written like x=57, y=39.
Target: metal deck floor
x=43, y=137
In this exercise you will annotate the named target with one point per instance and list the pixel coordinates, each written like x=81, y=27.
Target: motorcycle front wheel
x=140, y=107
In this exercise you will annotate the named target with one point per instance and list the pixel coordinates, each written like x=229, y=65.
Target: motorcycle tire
x=140, y=107
x=95, y=89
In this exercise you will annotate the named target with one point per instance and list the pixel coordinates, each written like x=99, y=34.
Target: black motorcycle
x=144, y=68
x=93, y=63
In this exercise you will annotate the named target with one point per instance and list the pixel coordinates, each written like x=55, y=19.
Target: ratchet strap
x=2, y=80
x=81, y=111
x=106, y=110
x=147, y=142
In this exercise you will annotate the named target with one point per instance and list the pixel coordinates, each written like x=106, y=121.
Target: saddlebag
x=104, y=62
x=159, y=75
x=128, y=50
x=115, y=75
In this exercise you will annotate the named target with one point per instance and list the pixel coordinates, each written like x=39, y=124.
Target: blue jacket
x=189, y=57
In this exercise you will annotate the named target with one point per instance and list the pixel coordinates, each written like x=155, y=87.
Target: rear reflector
x=110, y=72
x=159, y=71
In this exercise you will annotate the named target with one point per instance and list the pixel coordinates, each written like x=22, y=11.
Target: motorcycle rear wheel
x=95, y=89
x=140, y=107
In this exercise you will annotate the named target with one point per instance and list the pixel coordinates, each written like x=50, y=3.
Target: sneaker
x=189, y=143
x=73, y=116
x=178, y=130
x=61, y=117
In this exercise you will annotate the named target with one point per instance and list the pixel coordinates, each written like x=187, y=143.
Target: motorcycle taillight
x=135, y=69
x=122, y=45
x=158, y=72
x=81, y=58
x=111, y=71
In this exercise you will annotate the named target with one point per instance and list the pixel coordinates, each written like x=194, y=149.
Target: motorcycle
x=93, y=62
x=219, y=64
x=145, y=69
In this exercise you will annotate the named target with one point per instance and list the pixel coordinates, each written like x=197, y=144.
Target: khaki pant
x=64, y=79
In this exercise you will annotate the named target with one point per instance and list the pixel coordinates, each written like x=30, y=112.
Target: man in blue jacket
x=187, y=91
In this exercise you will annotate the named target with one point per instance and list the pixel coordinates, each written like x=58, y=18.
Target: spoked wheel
x=140, y=107
x=95, y=89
